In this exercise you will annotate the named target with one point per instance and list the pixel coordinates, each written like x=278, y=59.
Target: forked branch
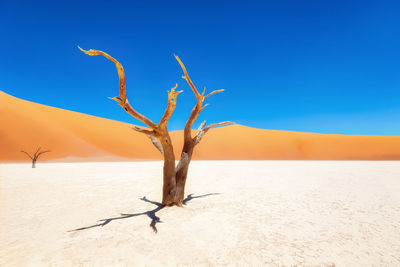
x=37, y=151
x=201, y=131
x=172, y=95
x=199, y=103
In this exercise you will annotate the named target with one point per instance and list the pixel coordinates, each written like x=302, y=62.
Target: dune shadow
x=151, y=213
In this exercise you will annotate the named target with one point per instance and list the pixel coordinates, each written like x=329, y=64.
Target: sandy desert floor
x=245, y=213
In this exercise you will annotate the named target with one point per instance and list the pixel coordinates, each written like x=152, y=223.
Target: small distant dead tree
x=35, y=156
x=174, y=177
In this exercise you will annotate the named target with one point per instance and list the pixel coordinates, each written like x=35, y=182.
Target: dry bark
x=174, y=177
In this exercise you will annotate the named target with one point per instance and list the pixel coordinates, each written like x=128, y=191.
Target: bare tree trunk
x=180, y=185
x=169, y=184
x=34, y=163
x=181, y=174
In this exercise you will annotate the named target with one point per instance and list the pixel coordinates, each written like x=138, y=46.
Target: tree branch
x=204, y=91
x=122, y=99
x=199, y=104
x=42, y=152
x=203, y=107
x=214, y=92
x=143, y=130
x=198, y=137
x=202, y=131
x=219, y=124
x=201, y=126
x=187, y=78
x=35, y=155
x=156, y=143
x=27, y=154
x=172, y=95
x=197, y=108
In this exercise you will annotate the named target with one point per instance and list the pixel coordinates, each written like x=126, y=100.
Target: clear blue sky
x=314, y=66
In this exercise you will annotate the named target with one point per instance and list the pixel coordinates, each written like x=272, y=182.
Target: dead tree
x=35, y=156
x=174, y=177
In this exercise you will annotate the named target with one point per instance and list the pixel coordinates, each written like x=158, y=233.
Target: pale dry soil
x=251, y=213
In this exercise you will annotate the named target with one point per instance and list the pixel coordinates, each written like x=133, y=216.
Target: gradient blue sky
x=314, y=66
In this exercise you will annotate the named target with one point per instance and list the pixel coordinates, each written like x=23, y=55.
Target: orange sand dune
x=73, y=136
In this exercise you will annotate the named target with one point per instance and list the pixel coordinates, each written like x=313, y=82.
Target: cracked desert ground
x=240, y=213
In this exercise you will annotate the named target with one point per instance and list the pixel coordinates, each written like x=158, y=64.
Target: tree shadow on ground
x=151, y=213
